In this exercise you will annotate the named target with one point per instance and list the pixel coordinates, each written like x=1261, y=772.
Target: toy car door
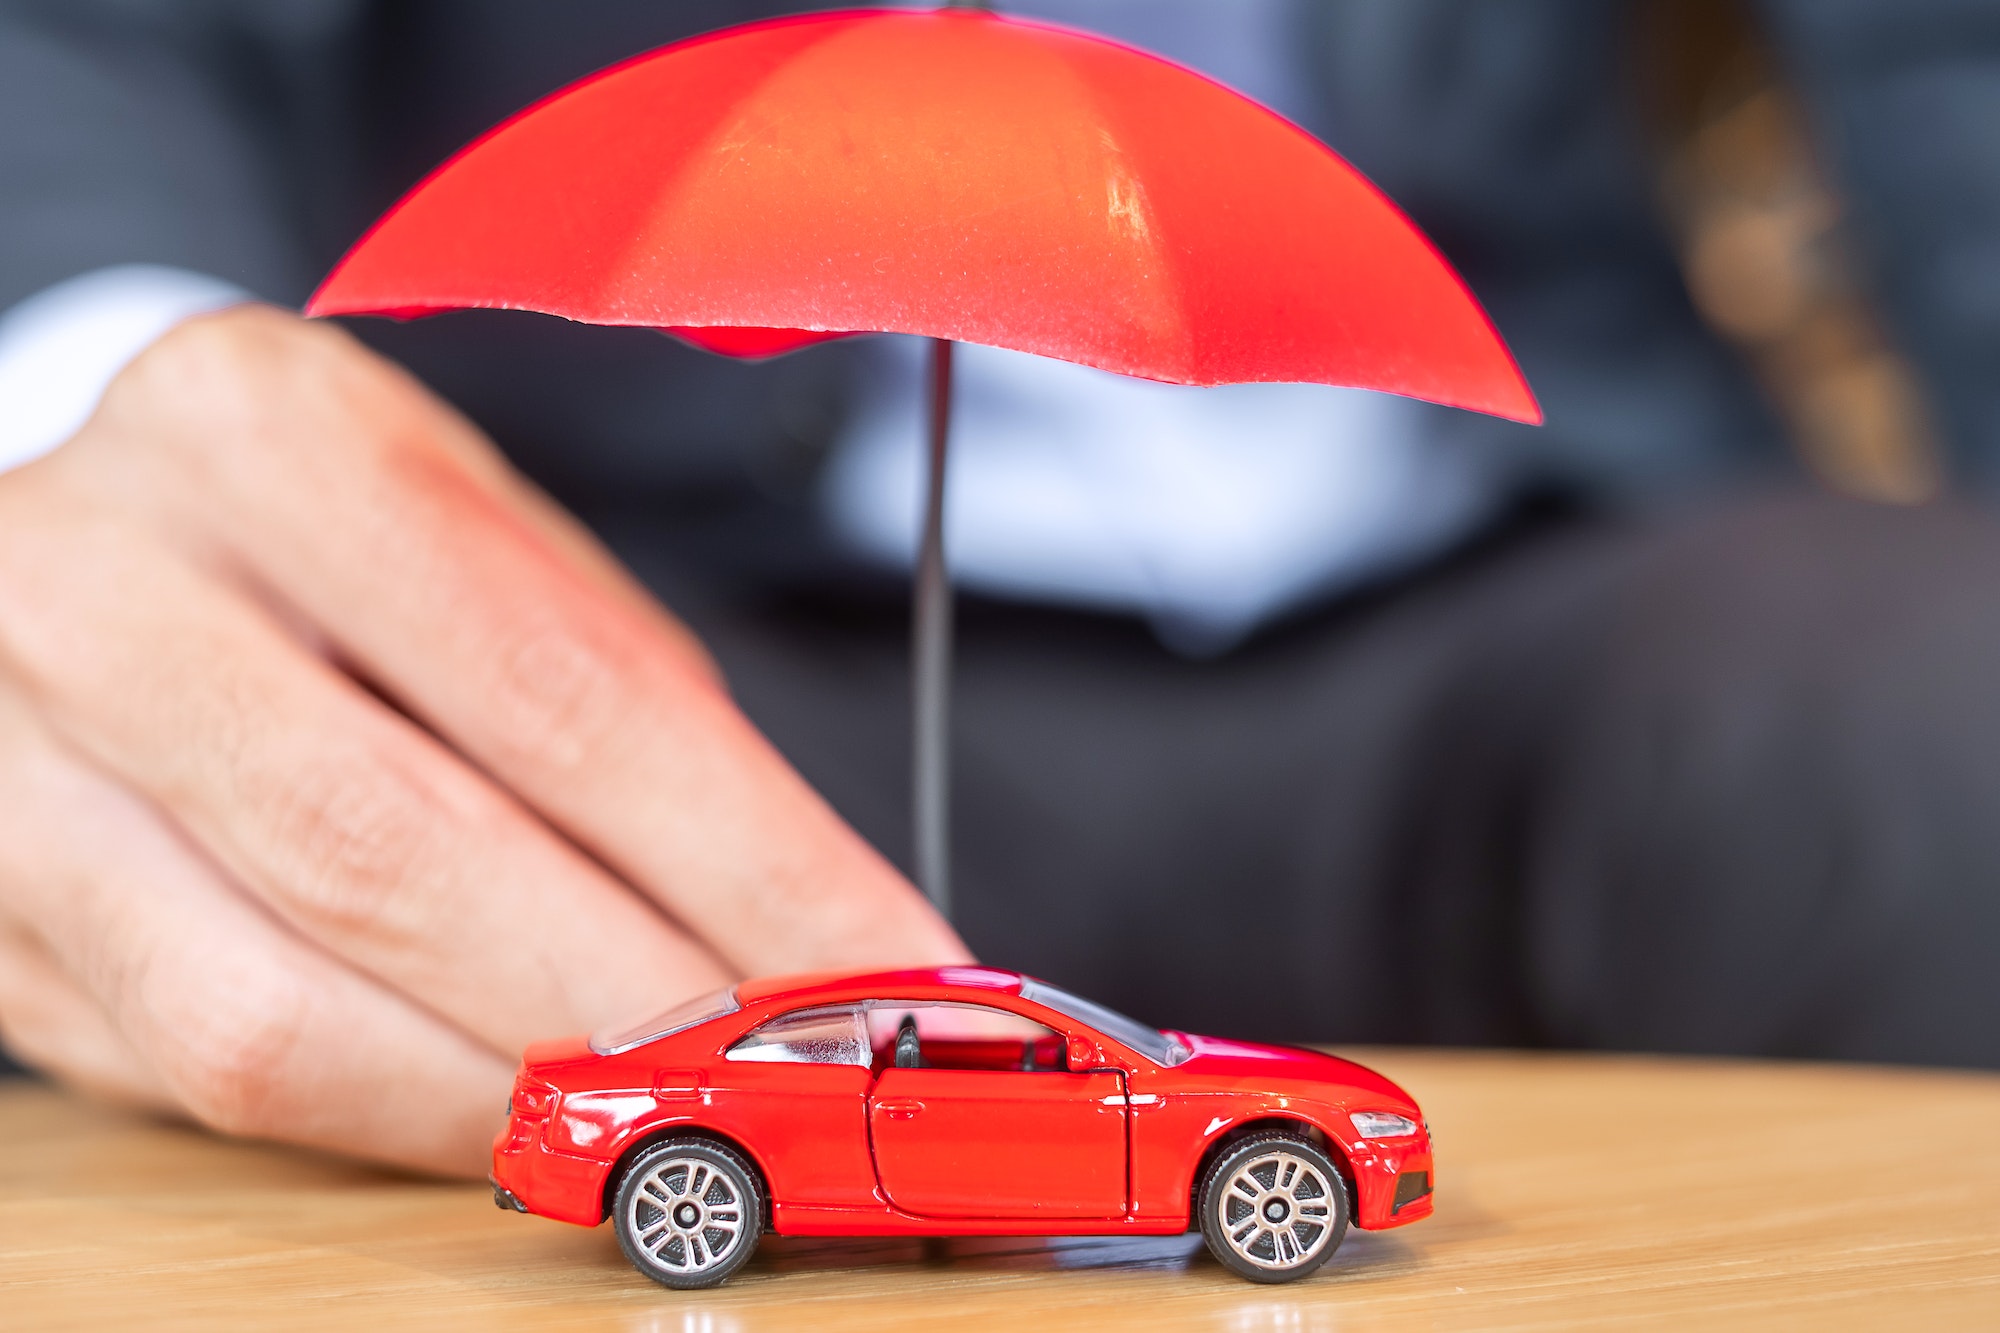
x=796, y=1089
x=966, y=1135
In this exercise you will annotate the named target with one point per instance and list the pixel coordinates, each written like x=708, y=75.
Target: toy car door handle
x=903, y=1108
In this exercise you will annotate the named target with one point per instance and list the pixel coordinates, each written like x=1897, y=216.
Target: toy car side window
x=834, y=1035
x=935, y=1035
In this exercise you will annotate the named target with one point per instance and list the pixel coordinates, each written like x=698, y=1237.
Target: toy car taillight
x=533, y=1097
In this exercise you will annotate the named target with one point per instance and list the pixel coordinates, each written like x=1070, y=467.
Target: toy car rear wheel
x=689, y=1212
x=1273, y=1208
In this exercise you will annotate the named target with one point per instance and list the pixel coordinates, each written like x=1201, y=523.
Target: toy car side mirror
x=1084, y=1054
x=909, y=1047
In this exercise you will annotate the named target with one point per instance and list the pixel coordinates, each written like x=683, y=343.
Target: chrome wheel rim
x=1275, y=1210
x=686, y=1216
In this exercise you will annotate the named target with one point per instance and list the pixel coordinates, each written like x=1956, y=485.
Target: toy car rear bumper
x=531, y=1178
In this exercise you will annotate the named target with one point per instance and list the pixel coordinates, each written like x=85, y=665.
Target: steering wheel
x=909, y=1049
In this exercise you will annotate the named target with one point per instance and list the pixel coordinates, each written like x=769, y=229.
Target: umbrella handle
x=930, y=659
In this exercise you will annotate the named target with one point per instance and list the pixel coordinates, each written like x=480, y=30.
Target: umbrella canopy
x=948, y=173
x=952, y=174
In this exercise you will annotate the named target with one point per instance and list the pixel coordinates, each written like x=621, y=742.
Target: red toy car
x=951, y=1102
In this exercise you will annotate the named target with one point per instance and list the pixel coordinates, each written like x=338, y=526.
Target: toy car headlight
x=1382, y=1125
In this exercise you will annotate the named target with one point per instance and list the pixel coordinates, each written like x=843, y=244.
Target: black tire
x=1293, y=1221
x=688, y=1212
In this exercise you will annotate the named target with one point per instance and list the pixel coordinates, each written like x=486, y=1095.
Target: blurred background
x=1286, y=714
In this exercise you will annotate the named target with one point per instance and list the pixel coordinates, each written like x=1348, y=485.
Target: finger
x=247, y=1027
x=515, y=495
x=493, y=634
x=217, y=361
x=50, y=1023
x=349, y=822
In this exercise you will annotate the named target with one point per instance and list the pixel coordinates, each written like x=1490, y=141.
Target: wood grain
x=1573, y=1192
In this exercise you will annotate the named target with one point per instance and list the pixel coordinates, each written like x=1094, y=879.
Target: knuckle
x=361, y=842
x=229, y=1043
x=196, y=392
x=210, y=359
x=233, y=379
x=556, y=698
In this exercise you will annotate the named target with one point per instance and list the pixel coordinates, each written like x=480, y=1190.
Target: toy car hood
x=1234, y=1066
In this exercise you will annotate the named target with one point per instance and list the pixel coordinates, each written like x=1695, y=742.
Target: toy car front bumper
x=505, y=1198
x=1393, y=1181
x=1412, y=1187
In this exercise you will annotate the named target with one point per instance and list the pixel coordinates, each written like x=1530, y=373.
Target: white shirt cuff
x=61, y=348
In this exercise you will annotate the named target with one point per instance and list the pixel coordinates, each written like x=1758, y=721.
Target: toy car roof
x=911, y=983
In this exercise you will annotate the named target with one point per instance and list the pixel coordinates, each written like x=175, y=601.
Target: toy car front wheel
x=689, y=1212
x=1273, y=1208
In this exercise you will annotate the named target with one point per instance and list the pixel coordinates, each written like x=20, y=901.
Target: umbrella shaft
x=931, y=658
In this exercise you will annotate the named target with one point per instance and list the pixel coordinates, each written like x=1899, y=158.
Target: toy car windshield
x=1162, y=1049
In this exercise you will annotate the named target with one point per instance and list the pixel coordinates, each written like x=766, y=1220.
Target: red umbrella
x=953, y=174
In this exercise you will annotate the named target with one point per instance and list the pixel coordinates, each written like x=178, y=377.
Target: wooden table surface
x=1573, y=1192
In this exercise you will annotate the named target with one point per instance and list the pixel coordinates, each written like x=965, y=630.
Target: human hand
x=337, y=764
